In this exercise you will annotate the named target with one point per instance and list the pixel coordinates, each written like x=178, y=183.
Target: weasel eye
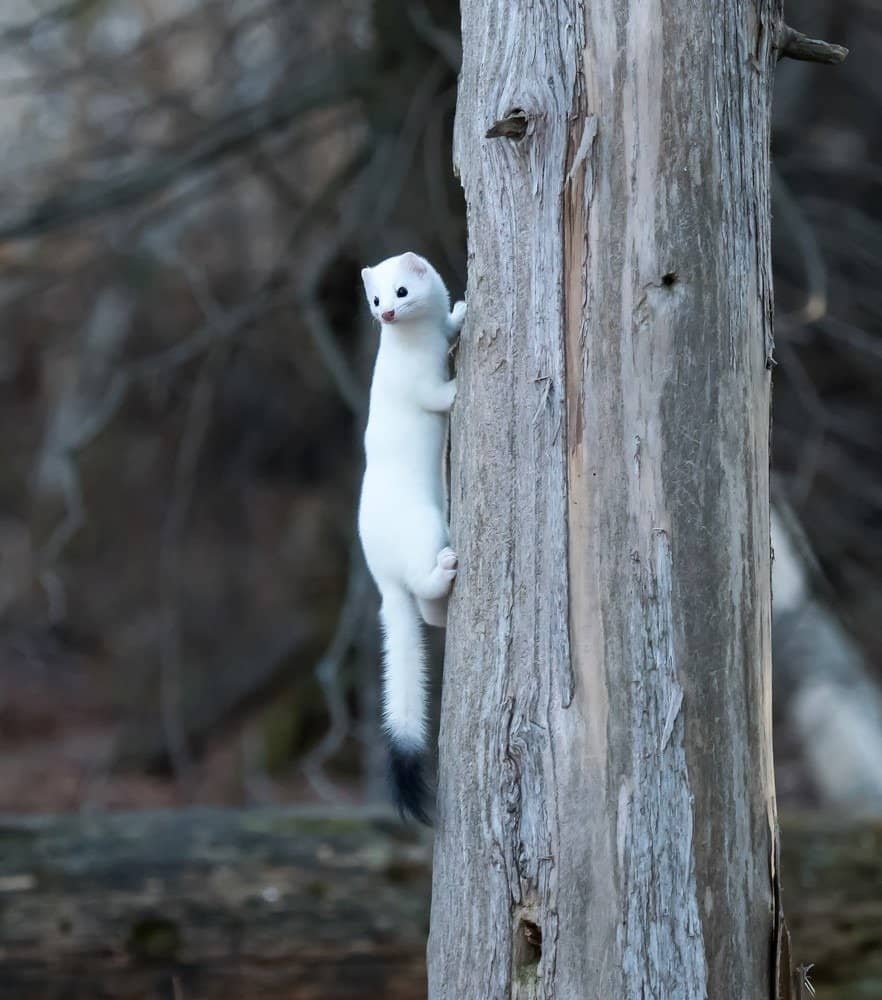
x=376, y=300
x=401, y=292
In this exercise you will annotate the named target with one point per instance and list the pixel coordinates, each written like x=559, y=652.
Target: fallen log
x=297, y=904
x=205, y=904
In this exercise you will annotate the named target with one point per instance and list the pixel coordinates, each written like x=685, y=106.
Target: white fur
x=401, y=518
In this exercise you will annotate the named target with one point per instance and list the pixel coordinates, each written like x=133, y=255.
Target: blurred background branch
x=194, y=188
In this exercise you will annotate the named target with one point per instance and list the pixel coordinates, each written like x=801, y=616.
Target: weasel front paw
x=448, y=563
x=457, y=317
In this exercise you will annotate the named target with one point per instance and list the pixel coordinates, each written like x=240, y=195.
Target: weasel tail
x=402, y=519
x=405, y=701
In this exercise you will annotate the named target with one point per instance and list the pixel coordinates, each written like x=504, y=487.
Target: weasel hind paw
x=451, y=388
x=448, y=561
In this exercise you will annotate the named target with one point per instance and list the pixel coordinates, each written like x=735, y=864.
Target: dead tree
x=606, y=817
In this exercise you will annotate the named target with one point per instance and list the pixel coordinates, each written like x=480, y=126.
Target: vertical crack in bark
x=661, y=934
x=577, y=192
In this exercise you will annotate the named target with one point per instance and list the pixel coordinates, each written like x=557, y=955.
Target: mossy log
x=205, y=904
x=282, y=904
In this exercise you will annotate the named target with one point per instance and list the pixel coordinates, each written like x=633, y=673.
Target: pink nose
x=389, y=315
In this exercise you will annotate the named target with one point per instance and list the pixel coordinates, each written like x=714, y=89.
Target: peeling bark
x=606, y=813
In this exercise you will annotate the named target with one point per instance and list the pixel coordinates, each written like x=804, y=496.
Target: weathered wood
x=795, y=45
x=212, y=905
x=275, y=904
x=606, y=812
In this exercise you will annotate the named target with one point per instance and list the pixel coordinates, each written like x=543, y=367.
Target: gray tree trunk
x=606, y=814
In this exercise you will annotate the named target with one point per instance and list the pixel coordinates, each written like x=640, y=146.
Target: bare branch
x=365, y=166
x=102, y=65
x=332, y=357
x=349, y=624
x=84, y=409
x=795, y=45
x=854, y=336
x=399, y=154
x=815, y=434
x=19, y=34
x=790, y=216
x=512, y=126
x=436, y=166
x=192, y=440
x=443, y=42
x=315, y=88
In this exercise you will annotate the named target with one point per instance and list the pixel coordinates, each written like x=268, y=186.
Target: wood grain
x=606, y=781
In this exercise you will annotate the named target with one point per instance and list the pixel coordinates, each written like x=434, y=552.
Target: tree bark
x=606, y=812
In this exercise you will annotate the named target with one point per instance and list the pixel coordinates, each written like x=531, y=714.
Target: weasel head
x=405, y=288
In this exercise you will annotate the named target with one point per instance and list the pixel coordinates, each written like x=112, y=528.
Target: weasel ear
x=413, y=262
x=365, y=271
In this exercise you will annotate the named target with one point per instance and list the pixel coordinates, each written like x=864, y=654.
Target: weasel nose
x=389, y=315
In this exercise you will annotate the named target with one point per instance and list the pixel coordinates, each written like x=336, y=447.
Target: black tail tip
x=409, y=787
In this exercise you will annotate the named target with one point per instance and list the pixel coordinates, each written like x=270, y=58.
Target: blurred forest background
x=189, y=189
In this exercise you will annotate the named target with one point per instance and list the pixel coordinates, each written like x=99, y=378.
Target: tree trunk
x=606, y=811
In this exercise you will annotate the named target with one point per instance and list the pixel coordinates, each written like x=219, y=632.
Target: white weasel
x=401, y=518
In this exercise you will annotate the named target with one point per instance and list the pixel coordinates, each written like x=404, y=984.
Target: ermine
x=402, y=517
